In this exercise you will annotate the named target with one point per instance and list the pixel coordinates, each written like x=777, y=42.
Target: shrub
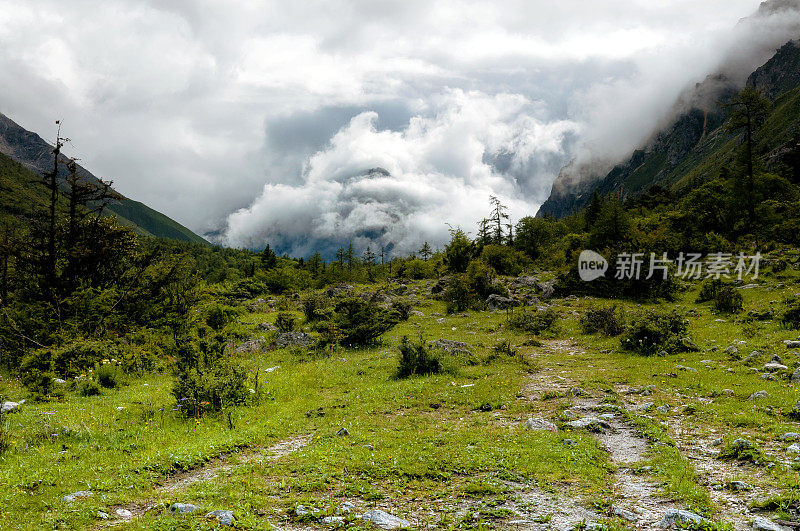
x=401, y=308
x=219, y=316
x=534, y=321
x=360, y=322
x=206, y=381
x=458, y=295
x=653, y=331
x=88, y=388
x=481, y=278
x=417, y=359
x=109, y=376
x=504, y=259
x=79, y=356
x=608, y=321
x=728, y=300
x=283, y=279
x=709, y=289
x=504, y=347
x=316, y=308
x=416, y=269
x=285, y=322
x=791, y=315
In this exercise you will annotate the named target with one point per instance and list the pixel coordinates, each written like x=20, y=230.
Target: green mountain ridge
x=24, y=155
x=696, y=145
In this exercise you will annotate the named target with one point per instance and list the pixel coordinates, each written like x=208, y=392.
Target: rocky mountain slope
x=694, y=145
x=33, y=153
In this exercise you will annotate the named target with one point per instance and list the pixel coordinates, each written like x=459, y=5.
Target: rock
x=732, y=351
x=223, y=517
x=625, y=515
x=293, y=339
x=440, y=320
x=125, y=514
x=767, y=376
x=679, y=518
x=347, y=508
x=589, y=423
x=794, y=449
x=267, y=327
x=717, y=442
x=497, y=302
x=78, y=495
x=791, y=344
x=253, y=345
x=727, y=392
x=758, y=394
x=684, y=368
x=774, y=367
x=300, y=510
x=332, y=520
x=341, y=289
x=739, y=486
x=384, y=520
x=451, y=347
x=417, y=313
x=548, y=288
x=762, y=524
x=576, y=391
x=664, y=408
x=796, y=375
x=59, y=381
x=538, y=424
x=740, y=445
x=183, y=508
x=343, y=432
x=790, y=436
x=589, y=526
x=103, y=516
x=524, y=282
x=8, y=407
x=569, y=442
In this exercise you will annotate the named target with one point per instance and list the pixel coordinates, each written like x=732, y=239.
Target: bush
x=220, y=316
x=504, y=259
x=316, y=308
x=728, y=300
x=534, y=321
x=458, y=295
x=206, y=381
x=505, y=348
x=709, y=289
x=791, y=316
x=417, y=359
x=608, y=321
x=481, y=278
x=652, y=332
x=285, y=322
x=358, y=322
x=88, y=388
x=283, y=279
x=109, y=376
x=36, y=372
x=80, y=356
x=401, y=308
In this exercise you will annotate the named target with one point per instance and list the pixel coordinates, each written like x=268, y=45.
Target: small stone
x=78, y=495
x=300, y=510
x=183, y=508
x=576, y=391
x=685, y=368
x=796, y=375
x=125, y=514
x=731, y=350
x=103, y=516
x=589, y=423
x=679, y=518
x=347, y=507
x=758, y=394
x=717, y=442
x=343, y=432
x=794, y=449
x=225, y=518
x=663, y=409
x=332, y=520
x=775, y=367
x=727, y=392
x=790, y=436
x=762, y=524
x=741, y=444
x=440, y=320
x=569, y=442
x=539, y=424
x=384, y=520
x=767, y=376
x=739, y=486
x=8, y=407
x=625, y=515
x=59, y=381
x=791, y=344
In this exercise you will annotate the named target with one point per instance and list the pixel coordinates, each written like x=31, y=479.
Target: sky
x=311, y=124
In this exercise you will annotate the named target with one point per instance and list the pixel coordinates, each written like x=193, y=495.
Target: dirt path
x=220, y=465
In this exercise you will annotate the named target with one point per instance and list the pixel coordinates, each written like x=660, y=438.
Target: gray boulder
x=762, y=524
x=796, y=375
x=451, y=347
x=293, y=339
x=758, y=394
x=497, y=302
x=539, y=424
x=384, y=520
x=791, y=344
x=790, y=436
x=679, y=518
x=775, y=367
x=183, y=508
x=548, y=289
x=8, y=407
x=223, y=517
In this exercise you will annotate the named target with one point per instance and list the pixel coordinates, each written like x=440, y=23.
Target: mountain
x=694, y=146
x=23, y=153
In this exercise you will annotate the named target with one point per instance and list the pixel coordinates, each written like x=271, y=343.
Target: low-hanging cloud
x=396, y=189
